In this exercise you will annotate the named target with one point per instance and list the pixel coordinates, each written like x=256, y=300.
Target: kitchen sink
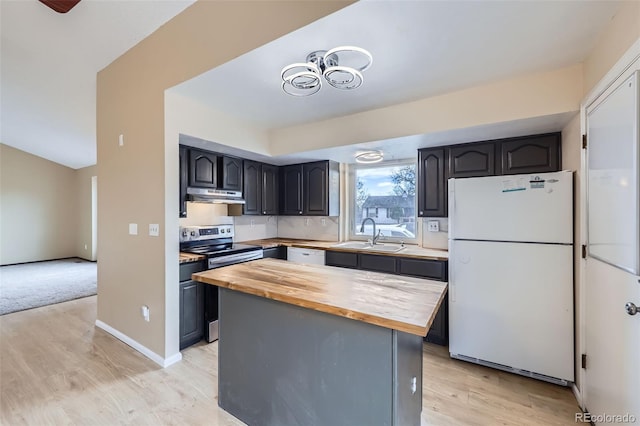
x=380, y=248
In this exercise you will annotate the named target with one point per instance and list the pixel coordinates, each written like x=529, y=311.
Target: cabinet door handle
x=299, y=212
x=631, y=308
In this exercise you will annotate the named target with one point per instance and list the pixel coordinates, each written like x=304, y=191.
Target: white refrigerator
x=511, y=273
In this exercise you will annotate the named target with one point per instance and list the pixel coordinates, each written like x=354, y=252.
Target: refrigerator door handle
x=452, y=205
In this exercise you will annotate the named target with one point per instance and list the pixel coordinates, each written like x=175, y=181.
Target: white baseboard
x=162, y=362
x=578, y=395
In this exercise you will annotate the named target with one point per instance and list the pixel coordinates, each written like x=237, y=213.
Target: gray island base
x=285, y=365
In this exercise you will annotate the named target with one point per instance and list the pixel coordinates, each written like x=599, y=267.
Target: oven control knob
x=222, y=231
x=194, y=233
x=228, y=230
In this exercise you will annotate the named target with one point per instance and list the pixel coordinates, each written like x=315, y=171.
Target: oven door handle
x=218, y=262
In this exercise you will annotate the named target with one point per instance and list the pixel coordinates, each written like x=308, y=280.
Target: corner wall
x=37, y=208
x=84, y=226
x=138, y=181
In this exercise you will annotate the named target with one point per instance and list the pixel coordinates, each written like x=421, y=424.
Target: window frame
x=351, y=222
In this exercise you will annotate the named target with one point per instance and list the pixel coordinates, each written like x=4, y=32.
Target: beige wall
x=137, y=182
x=528, y=96
x=618, y=36
x=37, y=208
x=84, y=226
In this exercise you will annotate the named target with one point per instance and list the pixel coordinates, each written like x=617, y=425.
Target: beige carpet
x=31, y=285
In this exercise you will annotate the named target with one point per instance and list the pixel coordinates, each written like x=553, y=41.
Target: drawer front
x=372, y=262
x=433, y=269
x=186, y=269
x=342, y=259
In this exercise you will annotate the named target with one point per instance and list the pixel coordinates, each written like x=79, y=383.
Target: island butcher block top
x=400, y=303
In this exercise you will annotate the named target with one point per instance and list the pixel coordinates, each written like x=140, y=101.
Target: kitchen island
x=310, y=344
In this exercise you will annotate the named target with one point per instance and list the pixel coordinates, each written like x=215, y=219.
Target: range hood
x=214, y=196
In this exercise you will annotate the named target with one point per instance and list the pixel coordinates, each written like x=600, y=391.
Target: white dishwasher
x=304, y=255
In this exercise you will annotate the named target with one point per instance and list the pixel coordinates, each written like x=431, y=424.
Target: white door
x=612, y=335
x=529, y=208
x=512, y=304
x=612, y=342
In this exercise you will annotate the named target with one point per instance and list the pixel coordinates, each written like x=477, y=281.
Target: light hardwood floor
x=57, y=368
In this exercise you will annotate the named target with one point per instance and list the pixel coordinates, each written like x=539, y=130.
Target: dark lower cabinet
x=378, y=263
x=191, y=313
x=184, y=179
x=341, y=258
x=531, y=154
x=422, y=268
x=275, y=253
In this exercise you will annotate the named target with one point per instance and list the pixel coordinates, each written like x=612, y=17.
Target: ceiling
x=49, y=63
x=420, y=48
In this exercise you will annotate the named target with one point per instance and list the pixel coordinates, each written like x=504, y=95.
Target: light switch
x=433, y=226
x=154, y=229
x=133, y=229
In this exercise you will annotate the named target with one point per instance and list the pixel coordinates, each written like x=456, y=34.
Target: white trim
x=617, y=73
x=163, y=362
x=577, y=394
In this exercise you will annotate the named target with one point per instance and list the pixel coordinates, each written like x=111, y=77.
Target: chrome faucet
x=374, y=237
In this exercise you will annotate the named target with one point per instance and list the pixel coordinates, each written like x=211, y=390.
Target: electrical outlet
x=121, y=140
x=133, y=229
x=324, y=222
x=154, y=229
x=433, y=226
x=144, y=310
x=85, y=247
x=253, y=223
x=306, y=221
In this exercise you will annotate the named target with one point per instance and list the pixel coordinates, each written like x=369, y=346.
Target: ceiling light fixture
x=369, y=157
x=341, y=67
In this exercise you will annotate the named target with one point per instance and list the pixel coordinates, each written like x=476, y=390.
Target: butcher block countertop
x=400, y=303
x=188, y=257
x=409, y=251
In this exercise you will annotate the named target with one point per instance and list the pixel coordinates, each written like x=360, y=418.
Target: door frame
x=623, y=68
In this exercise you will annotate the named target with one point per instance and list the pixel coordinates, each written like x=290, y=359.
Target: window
x=386, y=193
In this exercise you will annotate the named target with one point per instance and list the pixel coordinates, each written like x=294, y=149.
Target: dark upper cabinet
x=260, y=188
x=432, y=182
x=526, y=154
x=270, y=189
x=472, y=160
x=252, y=187
x=531, y=154
x=291, y=190
x=315, y=178
x=312, y=189
x=184, y=178
x=203, y=169
x=230, y=173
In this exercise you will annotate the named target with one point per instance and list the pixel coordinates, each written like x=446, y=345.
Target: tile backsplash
x=436, y=240
x=247, y=228
x=321, y=228
x=255, y=227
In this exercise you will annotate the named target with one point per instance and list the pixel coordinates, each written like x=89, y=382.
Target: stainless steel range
x=216, y=243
